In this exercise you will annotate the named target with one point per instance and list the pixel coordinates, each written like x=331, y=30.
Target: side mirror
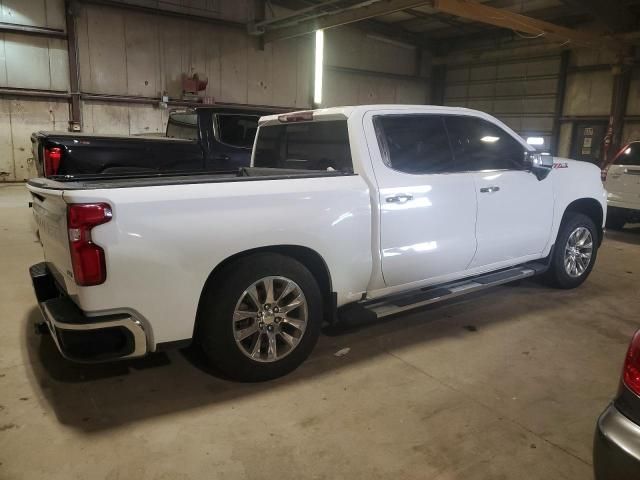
x=540, y=165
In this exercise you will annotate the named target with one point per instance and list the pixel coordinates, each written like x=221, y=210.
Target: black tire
x=615, y=222
x=216, y=328
x=557, y=275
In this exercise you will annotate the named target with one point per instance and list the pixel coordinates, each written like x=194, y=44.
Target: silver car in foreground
x=616, y=446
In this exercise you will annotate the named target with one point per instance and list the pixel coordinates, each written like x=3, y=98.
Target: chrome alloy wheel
x=578, y=252
x=270, y=319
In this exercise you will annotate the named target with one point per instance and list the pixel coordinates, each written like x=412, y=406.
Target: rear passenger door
x=427, y=210
x=515, y=208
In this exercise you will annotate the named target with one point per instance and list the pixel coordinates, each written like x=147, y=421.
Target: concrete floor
x=503, y=385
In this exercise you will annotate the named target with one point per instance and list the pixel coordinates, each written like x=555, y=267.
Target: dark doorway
x=587, y=141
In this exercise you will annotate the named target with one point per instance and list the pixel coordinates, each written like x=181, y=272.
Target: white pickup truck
x=622, y=181
x=353, y=211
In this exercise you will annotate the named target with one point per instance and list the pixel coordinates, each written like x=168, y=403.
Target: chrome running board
x=383, y=307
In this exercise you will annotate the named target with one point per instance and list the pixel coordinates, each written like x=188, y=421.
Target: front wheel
x=575, y=251
x=261, y=317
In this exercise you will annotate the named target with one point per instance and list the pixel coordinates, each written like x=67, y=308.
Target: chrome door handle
x=489, y=189
x=400, y=198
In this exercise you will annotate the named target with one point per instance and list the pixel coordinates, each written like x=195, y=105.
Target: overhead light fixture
x=489, y=139
x=317, y=86
x=535, y=140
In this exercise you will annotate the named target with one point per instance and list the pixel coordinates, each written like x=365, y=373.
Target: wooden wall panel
x=142, y=55
x=107, y=55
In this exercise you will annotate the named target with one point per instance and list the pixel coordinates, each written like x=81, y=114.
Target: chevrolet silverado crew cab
x=622, y=181
x=347, y=212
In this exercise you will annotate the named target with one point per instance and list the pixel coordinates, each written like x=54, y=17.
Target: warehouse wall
x=361, y=68
x=30, y=62
x=124, y=52
x=517, y=80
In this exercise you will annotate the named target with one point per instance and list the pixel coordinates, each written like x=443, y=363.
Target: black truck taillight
x=87, y=258
x=631, y=370
x=52, y=157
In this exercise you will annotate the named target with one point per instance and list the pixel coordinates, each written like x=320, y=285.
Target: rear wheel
x=261, y=317
x=575, y=251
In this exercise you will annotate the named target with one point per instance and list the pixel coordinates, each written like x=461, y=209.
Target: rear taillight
x=631, y=370
x=87, y=258
x=52, y=157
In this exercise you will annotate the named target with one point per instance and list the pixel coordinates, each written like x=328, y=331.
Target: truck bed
x=99, y=182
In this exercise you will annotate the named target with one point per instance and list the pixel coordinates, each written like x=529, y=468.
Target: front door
x=427, y=210
x=515, y=209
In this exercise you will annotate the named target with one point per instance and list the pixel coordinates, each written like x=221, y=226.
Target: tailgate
x=50, y=212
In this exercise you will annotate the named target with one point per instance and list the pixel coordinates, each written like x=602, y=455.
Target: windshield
x=305, y=146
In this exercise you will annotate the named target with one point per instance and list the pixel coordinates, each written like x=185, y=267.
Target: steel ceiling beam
x=478, y=12
x=344, y=17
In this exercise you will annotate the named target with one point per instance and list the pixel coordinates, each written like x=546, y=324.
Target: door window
x=480, y=145
x=416, y=144
x=237, y=130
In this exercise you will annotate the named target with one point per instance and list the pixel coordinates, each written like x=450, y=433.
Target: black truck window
x=237, y=130
x=321, y=145
x=183, y=125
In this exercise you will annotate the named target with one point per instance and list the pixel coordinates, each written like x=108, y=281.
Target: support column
x=621, y=81
x=438, y=79
x=561, y=90
x=75, y=117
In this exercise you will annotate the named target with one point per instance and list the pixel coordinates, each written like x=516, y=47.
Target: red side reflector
x=52, y=157
x=87, y=258
x=631, y=371
x=296, y=117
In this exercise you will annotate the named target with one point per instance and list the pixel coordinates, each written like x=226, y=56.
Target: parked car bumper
x=623, y=210
x=616, y=447
x=82, y=338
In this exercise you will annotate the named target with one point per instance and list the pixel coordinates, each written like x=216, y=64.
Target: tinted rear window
x=183, y=125
x=237, y=130
x=304, y=146
x=630, y=155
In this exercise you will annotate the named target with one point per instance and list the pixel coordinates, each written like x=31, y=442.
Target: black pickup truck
x=209, y=139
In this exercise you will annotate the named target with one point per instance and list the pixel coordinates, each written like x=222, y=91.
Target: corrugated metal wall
x=521, y=92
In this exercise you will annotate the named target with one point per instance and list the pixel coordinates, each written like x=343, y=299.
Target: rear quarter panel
x=163, y=242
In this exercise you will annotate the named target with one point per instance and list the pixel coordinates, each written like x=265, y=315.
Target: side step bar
x=379, y=308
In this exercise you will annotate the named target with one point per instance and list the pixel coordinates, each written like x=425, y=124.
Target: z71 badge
x=561, y=165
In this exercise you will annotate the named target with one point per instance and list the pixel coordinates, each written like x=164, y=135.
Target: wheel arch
x=306, y=256
x=591, y=208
